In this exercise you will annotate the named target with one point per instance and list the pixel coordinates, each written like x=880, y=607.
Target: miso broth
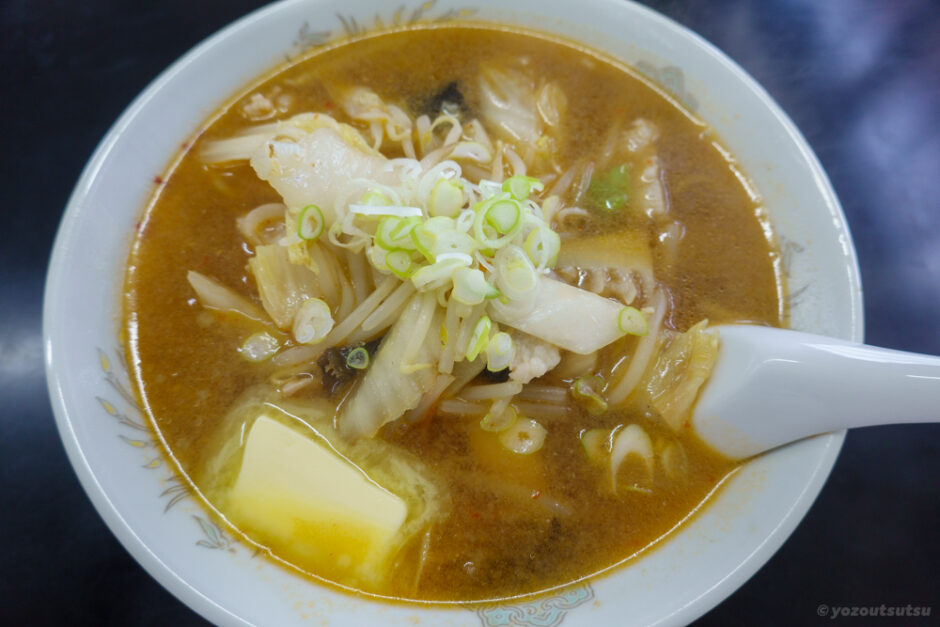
x=650, y=215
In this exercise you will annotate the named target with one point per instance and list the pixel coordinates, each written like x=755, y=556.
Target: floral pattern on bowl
x=544, y=612
x=132, y=418
x=352, y=26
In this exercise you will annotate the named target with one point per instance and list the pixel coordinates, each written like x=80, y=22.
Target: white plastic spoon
x=774, y=386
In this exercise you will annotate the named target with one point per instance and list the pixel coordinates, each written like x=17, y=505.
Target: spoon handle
x=773, y=386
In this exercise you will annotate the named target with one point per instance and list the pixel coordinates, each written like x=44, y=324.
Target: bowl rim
x=206, y=606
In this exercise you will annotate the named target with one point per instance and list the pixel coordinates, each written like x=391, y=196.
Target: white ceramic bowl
x=166, y=530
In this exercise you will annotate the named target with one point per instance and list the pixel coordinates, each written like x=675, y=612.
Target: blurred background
x=860, y=78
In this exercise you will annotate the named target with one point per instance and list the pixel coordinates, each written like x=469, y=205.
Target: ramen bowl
x=168, y=531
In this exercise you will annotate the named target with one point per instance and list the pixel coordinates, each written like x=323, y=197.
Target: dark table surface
x=861, y=79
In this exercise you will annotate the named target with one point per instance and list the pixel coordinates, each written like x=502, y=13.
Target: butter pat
x=312, y=506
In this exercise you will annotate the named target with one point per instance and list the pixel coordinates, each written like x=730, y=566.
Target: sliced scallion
x=439, y=224
x=465, y=220
x=496, y=420
x=525, y=436
x=423, y=242
x=446, y=198
x=399, y=211
x=399, y=262
x=498, y=220
x=516, y=276
x=504, y=216
x=358, y=358
x=610, y=191
x=377, y=255
x=587, y=391
x=310, y=223
x=404, y=228
x=437, y=274
x=520, y=187
x=596, y=443
x=425, y=236
x=460, y=260
x=394, y=233
x=499, y=352
x=471, y=287
x=479, y=338
x=632, y=321
x=542, y=246
x=452, y=241
x=375, y=198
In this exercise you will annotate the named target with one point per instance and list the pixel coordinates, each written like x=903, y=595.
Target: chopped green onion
x=258, y=346
x=520, y=276
x=471, y=287
x=632, y=321
x=465, y=220
x=404, y=228
x=310, y=223
x=479, y=338
x=542, y=246
x=596, y=444
x=464, y=259
x=312, y=321
x=498, y=220
x=499, y=352
x=438, y=273
x=504, y=216
x=520, y=186
x=457, y=245
x=394, y=233
x=375, y=198
x=586, y=390
x=516, y=276
x=399, y=262
x=525, y=436
x=336, y=231
x=358, y=358
x=423, y=242
x=398, y=211
x=424, y=237
x=439, y=224
x=609, y=192
x=496, y=421
x=452, y=241
x=446, y=198
x=377, y=255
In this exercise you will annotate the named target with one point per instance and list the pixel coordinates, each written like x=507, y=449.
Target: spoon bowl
x=773, y=386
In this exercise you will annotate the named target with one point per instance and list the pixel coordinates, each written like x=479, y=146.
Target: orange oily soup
x=423, y=314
